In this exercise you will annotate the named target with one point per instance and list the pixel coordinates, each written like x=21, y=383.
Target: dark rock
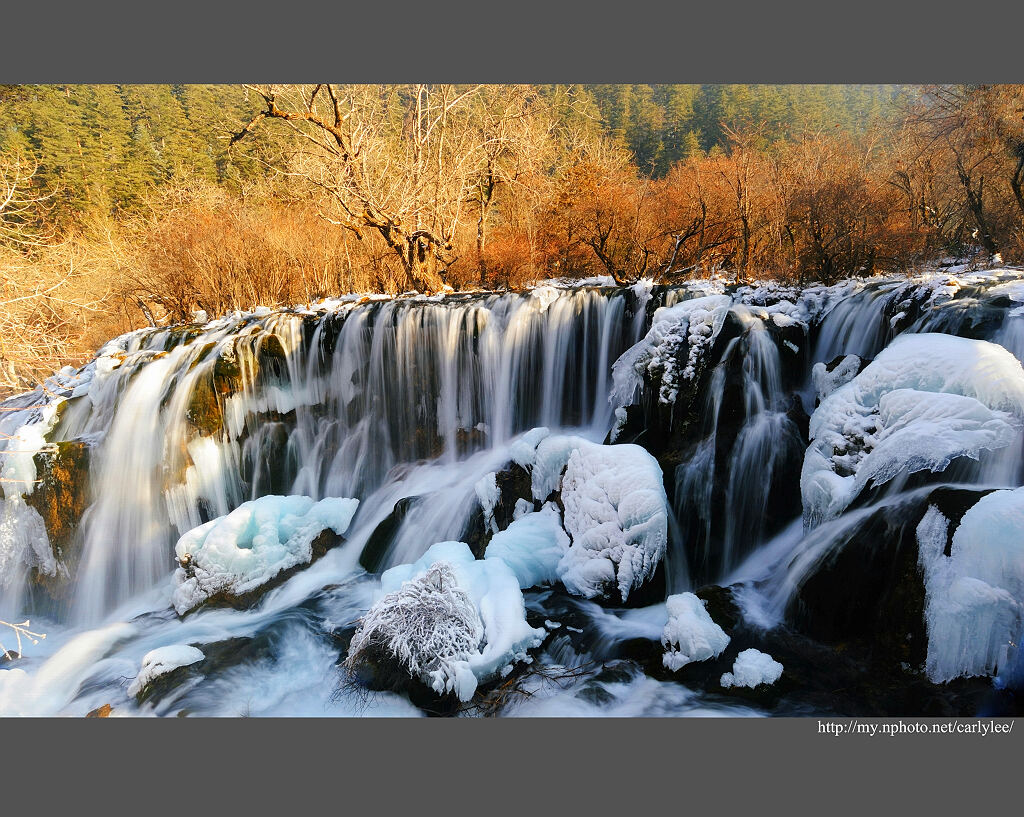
x=375, y=552
x=869, y=589
x=514, y=483
x=721, y=605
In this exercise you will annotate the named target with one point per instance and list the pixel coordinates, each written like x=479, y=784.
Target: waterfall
x=407, y=404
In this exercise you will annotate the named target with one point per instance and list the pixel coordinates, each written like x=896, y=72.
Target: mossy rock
x=204, y=411
x=61, y=497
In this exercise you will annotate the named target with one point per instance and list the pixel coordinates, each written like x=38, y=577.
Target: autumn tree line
x=122, y=206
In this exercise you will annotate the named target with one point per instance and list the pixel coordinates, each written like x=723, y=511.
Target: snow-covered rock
x=690, y=634
x=427, y=620
x=751, y=669
x=260, y=539
x=161, y=661
x=616, y=512
x=692, y=324
x=924, y=401
x=974, y=597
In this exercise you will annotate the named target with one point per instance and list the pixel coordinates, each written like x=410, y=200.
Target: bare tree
x=41, y=300
x=400, y=161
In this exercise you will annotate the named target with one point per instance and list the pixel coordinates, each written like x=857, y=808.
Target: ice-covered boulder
x=751, y=669
x=448, y=619
x=692, y=325
x=974, y=594
x=163, y=661
x=690, y=634
x=616, y=514
x=926, y=400
x=261, y=541
x=615, y=509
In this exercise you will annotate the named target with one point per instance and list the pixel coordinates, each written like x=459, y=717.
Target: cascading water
x=411, y=405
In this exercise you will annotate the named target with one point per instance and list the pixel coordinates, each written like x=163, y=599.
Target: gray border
x=548, y=766
x=553, y=766
x=526, y=41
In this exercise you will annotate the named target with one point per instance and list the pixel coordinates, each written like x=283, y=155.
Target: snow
x=692, y=324
x=431, y=626
x=974, y=598
x=18, y=468
x=248, y=547
x=522, y=508
x=523, y=450
x=690, y=634
x=532, y=546
x=162, y=661
x=494, y=590
x=616, y=514
x=549, y=461
x=545, y=296
x=924, y=401
x=23, y=542
x=825, y=382
x=620, y=422
x=751, y=669
x=488, y=493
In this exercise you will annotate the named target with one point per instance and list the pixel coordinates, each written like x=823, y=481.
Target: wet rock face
x=375, y=551
x=869, y=591
x=249, y=361
x=514, y=483
x=61, y=497
x=867, y=596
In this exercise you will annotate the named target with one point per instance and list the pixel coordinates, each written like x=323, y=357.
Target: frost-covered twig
x=19, y=631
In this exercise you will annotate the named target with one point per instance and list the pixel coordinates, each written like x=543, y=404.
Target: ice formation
x=693, y=324
x=488, y=493
x=925, y=400
x=974, y=597
x=532, y=546
x=690, y=634
x=751, y=669
x=162, y=661
x=492, y=591
x=825, y=382
x=251, y=545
